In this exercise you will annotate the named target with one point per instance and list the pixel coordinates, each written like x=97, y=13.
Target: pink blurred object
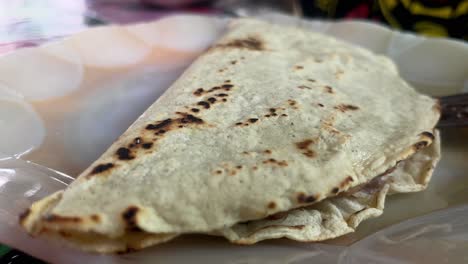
x=171, y=3
x=32, y=23
x=133, y=11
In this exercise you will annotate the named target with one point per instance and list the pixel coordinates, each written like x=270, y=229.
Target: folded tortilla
x=273, y=132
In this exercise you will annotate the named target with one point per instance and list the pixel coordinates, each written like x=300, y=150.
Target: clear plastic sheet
x=47, y=136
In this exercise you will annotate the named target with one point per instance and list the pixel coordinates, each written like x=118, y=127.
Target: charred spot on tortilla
x=267, y=151
x=102, y=167
x=304, y=87
x=299, y=67
x=160, y=132
x=227, y=81
x=238, y=123
x=221, y=95
x=335, y=190
x=147, y=145
x=321, y=105
x=309, y=153
x=58, y=218
x=292, y=102
x=428, y=134
x=199, y=92
x=218, y=171
x=311, y=80
x=124, y=154
x=271, y=205
x=233, y=62
x=224, y=100
x=329, y=89
x=253, y=120
x=129, y=217
x=346, y=107
x=162, y=124
x=269, y=161
x=130, y=213
x=214, y=89
x=283, y=115
x=227, y=87
x=206, y=105
x=303, y=198
x=304, y=144
x=211, y=99
x=95, y=218
x=250, y=43
x=195, y=110
x=188, y=118
x=22, y=217
x=281, y=163
x=346, y=182
x=137, y=140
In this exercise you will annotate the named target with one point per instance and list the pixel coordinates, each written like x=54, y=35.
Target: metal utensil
x=454, y=111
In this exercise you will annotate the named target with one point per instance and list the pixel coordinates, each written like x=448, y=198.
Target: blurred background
x=26, y=23
x=31, y=22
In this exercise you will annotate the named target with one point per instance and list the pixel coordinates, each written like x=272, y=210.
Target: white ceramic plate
x=73, y=98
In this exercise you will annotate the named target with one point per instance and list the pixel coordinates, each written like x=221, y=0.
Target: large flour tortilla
x=268, y=120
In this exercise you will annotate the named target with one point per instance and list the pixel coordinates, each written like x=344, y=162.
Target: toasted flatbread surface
x=270, y=119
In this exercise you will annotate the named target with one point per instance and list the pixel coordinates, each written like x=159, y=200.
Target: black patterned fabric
x=441, y=18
